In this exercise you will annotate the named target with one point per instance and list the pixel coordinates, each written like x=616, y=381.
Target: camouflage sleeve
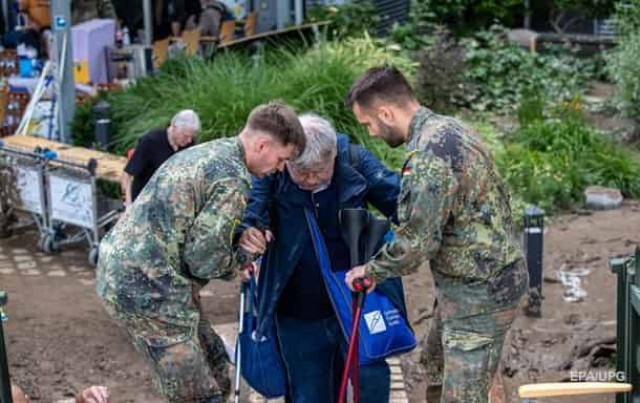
x=424, y=205
x=208, y=249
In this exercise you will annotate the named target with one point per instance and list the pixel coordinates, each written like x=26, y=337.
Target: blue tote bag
x=384, y=331
x=261, y=365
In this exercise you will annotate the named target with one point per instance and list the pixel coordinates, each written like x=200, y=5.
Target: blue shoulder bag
x=261, y=364
x=384, y=331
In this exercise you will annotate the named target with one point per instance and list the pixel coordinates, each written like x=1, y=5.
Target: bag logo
x=375, y=322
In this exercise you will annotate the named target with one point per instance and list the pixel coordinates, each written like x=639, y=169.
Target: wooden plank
x=109, y=167
x=572, y=389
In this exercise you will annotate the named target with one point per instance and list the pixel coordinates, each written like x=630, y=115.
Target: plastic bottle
x=126, y=39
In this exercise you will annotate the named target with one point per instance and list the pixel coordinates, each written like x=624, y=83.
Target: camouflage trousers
x=189, y=365
x=461, y=355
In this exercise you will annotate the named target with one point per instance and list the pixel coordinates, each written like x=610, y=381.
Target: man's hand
x=356, y=273
x=255, y=241
x=248, y=270
x=94, y=394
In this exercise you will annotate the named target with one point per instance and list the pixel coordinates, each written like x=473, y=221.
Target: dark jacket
x=277, y=203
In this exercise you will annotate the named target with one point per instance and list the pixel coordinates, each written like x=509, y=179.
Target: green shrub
x=624, y=70
x=499, y=72
x=224, y=91
x=350, y=19
x=550, y=162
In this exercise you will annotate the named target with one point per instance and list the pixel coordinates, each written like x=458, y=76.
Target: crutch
x=5, y=380
x=352, y=363
x=353, y=221
x=238, y=356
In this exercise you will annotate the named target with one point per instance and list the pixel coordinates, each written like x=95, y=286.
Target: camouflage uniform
x=454, y=211
x=173, y=240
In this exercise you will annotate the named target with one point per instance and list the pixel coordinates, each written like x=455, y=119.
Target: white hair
x=186, y=119
x=321, y=145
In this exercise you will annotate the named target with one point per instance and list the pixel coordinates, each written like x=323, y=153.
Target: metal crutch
x=238, y=355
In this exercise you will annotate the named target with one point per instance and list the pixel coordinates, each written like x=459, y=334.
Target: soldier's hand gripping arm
x=425, y=203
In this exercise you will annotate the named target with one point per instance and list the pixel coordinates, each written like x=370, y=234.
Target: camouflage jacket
x=177, y=235
x=454, y=212
x=85, y=10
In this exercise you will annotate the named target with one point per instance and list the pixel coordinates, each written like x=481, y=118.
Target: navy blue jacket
x=277, y=203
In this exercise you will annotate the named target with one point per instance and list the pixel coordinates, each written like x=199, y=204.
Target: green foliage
x=418, y=30
x=627, y=16
x=531, y=108
x=350, y=19
x=622, y=62
x=460, y=16
x=551, y=162
x=224, y=91
x=441, y=74
x=624, y=70
x=498, y=72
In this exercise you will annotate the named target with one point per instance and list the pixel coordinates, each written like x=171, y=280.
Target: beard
x=390, y=135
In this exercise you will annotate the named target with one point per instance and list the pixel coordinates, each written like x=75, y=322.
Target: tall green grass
x=225, y=90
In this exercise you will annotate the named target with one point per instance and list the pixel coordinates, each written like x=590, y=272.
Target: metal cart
x=75, y=202
x=23, y=189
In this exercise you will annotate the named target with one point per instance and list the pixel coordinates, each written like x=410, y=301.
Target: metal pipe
x=148, y=22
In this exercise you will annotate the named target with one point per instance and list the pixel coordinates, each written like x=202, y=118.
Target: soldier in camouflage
x=177, y=236
x=455, y=213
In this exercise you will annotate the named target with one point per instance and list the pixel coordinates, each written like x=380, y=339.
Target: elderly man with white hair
x=154, y=148
x=331, y=174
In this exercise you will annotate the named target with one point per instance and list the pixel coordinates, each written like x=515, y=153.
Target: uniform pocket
x=509, y=284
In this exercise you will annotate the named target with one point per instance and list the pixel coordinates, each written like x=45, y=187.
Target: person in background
x=154, y=148
x=213, y=14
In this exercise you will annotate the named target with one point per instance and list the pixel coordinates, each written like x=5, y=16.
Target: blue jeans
x=314, y=353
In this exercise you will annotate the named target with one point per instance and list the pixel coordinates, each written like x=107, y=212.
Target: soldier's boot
x=217, y=358
x=434, y=393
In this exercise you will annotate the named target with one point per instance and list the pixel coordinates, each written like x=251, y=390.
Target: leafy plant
x=550, y=162
x=624, y=70
x=441, y=75
x=459, y=16
x=499, y=72
x=627, y=17
x=350, y=19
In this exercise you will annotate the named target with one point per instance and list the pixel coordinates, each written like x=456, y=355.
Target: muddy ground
x=59, y=340
x=543, y=350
